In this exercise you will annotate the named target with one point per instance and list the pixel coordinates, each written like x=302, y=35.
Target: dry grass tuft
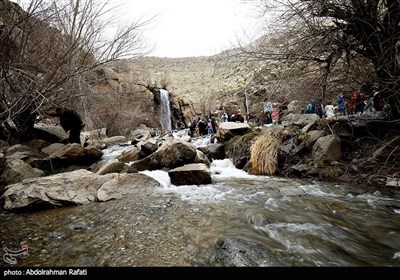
x=264, y=155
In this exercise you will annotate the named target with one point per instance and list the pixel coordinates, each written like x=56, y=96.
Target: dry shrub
x=264, y=155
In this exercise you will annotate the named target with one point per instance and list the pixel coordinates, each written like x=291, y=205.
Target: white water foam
x=225, y=168
x=202, y=142
x=274, y=232
x=160, y=176
x=114, y=151
x=203, y=193
x=193, y=193
x=316, y=190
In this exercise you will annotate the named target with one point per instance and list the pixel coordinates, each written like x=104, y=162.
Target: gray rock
x=124, y=184
x=129, y=155
x=22, y=152
x=111, y=166
x=52, y=148
x=17, y=170
x=191, y=174
x=171, y=154
x=313, y=136
x=235, y=252
x=56, y=131
x=149, y=147
x=69, y=152
x=301, y=119
x=140, y=135
x=78, y=187
x=73, y=188
x=327, y=148
x=214, y=151
x=228, y=130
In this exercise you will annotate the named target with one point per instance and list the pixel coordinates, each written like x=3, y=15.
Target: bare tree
x=49, y=51
x=324, y=36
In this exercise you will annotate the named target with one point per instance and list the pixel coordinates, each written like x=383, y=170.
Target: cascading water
x=303, y=223
x=165, y=111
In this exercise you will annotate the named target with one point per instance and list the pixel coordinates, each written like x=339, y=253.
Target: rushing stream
x=302, y=222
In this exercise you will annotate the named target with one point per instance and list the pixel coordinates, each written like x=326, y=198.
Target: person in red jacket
x=70, y=121
x=275, y=115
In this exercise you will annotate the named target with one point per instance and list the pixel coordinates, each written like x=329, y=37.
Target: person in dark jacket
x=70, y=121
x=318, y=108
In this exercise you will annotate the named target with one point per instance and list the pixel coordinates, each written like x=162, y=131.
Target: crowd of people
x=209, y=124
x=356, y=102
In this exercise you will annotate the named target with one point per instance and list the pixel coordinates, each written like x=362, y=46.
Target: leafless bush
x=49, y=52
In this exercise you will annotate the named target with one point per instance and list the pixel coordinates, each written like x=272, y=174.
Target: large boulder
x=38, y=144
x=16, y=171
x=291, y=148
x=214, y=151
x=68, y=155
x=140, y=135
x=51, y=133
x=78, y=187
x=69, y=152
x=124, y=184
x=110, y=166
x=313, y=136
x=75, y=153
x=93, y=154
x=301, y=119
x=22, y=152
x=228, y=130
x=171, y=154
x=52, y=148
x=72, y=188
x=190, y=174
x=327, y=149
x=129, y=155
x=239, y=149
x=148, y=147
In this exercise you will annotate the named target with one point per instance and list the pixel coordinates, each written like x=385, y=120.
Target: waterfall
x=165, y=111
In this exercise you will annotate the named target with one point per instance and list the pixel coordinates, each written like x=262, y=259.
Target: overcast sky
x=191, y=27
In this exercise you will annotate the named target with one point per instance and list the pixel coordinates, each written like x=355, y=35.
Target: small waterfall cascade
x=165, y=111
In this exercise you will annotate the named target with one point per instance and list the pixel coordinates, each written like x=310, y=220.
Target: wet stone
x=56, y=235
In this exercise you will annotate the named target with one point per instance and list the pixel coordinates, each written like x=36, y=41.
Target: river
x=303, y=223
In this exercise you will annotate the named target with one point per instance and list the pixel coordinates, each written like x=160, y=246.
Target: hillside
x=198, y=84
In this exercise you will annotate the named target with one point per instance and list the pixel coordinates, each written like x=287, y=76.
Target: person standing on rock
x=341, y=105
x=70, y=121
x=267, y=111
